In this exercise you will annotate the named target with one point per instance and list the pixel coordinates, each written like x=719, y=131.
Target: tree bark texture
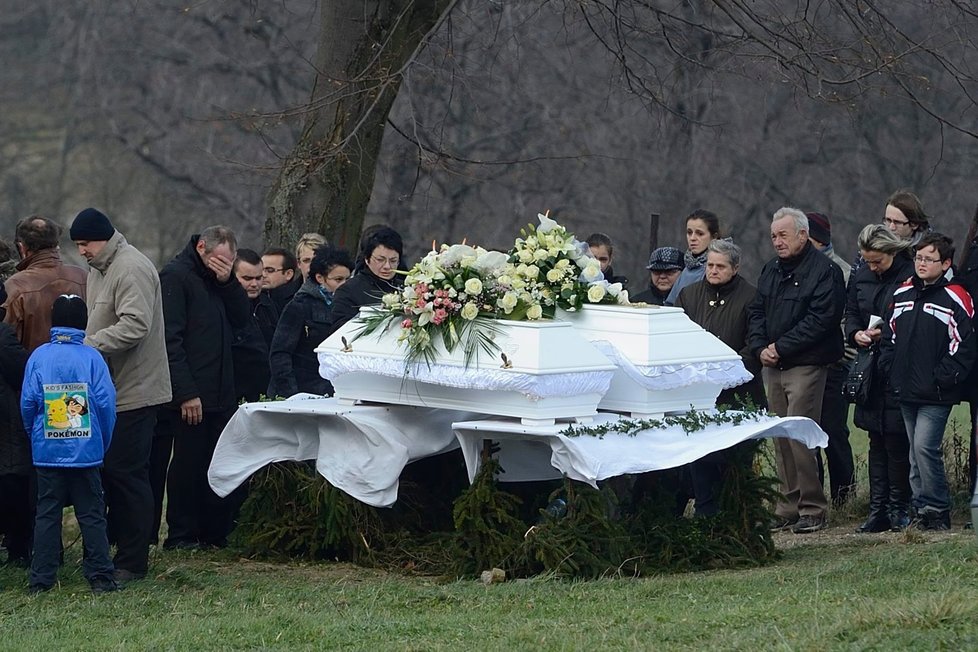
x=324, y=185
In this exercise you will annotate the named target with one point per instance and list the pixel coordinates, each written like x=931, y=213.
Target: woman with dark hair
x=702, y=228
x=375, y=275
x=304, y=324
x=887, y=263
x=904, y=217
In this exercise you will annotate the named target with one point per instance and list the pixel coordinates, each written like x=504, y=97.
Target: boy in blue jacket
x=68, y=448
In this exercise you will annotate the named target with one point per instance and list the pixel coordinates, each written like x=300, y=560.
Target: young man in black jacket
x=794, y=330
x=928, y=349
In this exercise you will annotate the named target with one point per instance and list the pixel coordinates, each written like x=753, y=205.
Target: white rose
x=507, y=302
x=595, y=293
x=473, y=286
x=554, y=275
x=470, y=311
x=504, y=280
x=541, y=254
x=534, y=312
x=525, y=256
x=592, y=272
x=532, y=271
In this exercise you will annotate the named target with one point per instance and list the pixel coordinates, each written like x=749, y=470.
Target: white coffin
x=666, y=363
x=553, y=373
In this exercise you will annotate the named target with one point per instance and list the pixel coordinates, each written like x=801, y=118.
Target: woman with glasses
x=904, y=217
x=375, y=275
x=887, y=262
x=304, y=324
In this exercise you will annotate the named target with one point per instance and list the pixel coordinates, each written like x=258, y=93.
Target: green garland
x=690, y=422
x=618, y=530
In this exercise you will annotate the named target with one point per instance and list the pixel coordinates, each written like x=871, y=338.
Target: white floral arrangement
x=457, y=294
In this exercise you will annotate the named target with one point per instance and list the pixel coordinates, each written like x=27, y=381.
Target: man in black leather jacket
x=794, y=330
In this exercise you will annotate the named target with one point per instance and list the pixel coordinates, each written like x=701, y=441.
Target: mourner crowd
x=118, y=380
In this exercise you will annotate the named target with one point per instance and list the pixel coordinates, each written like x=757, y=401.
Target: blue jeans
x=925, y=427
x=57, y=487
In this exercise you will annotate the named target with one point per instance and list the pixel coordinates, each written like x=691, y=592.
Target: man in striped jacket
x=928, y=349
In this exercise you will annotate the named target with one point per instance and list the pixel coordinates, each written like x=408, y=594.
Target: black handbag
x=860, y=379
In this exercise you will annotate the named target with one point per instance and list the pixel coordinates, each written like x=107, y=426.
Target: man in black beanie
x=125, y=324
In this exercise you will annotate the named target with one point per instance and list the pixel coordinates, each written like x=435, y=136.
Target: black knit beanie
x=91, y=224
x=70, y=311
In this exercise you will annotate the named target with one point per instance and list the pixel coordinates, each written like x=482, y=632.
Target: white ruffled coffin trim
x=726, y=373
x=534, y=386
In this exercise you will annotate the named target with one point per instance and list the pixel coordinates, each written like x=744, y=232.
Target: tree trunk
x=325, y=183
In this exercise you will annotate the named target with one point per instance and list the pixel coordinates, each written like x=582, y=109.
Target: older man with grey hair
x=793, y=330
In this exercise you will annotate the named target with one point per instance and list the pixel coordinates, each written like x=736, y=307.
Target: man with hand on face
x=125, y=325
x=203, y=303
x=794, y=331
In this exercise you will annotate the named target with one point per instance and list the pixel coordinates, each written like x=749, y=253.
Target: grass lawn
x=831, y=590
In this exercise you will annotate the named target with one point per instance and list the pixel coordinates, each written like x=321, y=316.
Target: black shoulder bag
x=860, y=379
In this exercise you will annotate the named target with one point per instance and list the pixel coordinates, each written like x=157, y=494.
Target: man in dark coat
x=251, y=343
x=375, y=276
x=665, y=266
x=16, y=468
x=281, y=278
x=719, y=304
x=795, y=332
x=202, y=305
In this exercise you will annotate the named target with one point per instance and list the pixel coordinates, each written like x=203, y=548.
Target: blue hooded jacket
x=68, y=402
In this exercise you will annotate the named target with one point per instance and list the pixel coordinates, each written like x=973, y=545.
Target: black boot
x=879, y=493
x=898, y=473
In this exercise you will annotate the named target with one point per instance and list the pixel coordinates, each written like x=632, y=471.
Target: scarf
x=693, y=261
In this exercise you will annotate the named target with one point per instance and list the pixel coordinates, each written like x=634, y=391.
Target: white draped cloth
x=541, y=452
x=362, y=449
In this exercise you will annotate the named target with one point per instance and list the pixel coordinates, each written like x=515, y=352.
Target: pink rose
x=407, y=323
x=440, y=315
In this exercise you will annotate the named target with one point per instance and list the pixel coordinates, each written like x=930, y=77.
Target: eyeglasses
x=892, y=222
x=385, y=261
x=925, y=260
x=272, y=270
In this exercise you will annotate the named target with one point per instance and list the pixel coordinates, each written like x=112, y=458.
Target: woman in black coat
x=887, y=263
x=304, y=324
x=375, y=275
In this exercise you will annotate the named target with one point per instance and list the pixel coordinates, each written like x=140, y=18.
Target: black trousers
x=57, y=487
x=194, y=513
x=18, y=494
x=128, y=493
x=835, y=423
x=159, y=465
